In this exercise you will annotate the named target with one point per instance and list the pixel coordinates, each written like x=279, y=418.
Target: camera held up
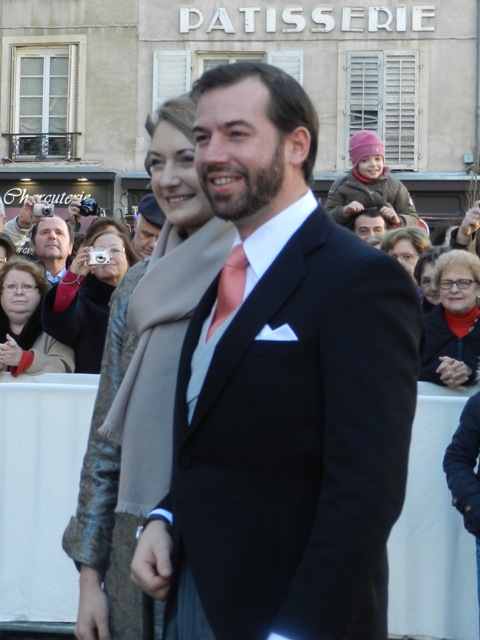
x=42, y=210
x=89, y=207
x=99, y=257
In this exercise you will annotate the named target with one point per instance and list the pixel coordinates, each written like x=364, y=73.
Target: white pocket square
x=281, y=334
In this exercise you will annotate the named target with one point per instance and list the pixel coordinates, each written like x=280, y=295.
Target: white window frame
x=12, y=51
x=391, y=85
x=174, y=72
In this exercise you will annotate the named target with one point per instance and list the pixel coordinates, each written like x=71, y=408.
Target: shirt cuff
x=160, y=514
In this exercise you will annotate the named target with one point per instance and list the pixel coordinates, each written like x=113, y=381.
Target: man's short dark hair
x=370, y=212
x=289, y=107
x=34, y=230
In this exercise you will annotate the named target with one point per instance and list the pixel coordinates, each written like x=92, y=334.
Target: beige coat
x=50, y=356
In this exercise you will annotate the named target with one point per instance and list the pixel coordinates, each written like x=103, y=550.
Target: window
x=382, y=95
x=172, y=69
x=44, y=102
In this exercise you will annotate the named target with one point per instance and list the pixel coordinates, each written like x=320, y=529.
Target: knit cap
x=365, y=143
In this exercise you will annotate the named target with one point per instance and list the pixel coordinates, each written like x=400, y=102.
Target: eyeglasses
x=464, y=283
x=113, y=250
x=24, y=287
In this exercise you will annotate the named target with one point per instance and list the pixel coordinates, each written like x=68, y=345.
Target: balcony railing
x=24, y=147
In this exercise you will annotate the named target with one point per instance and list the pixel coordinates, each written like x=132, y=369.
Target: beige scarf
x=159, y=310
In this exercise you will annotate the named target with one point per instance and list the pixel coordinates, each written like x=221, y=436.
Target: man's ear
x=298, y=142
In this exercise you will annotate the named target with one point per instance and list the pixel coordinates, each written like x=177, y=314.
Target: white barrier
x=433, y=589
x=44, y=423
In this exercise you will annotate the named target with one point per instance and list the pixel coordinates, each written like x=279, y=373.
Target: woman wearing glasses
x=452, y=346
x=76, y=310
x=406, y=245
x=24, y=346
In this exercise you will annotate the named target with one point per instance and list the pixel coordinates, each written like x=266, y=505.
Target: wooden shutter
x=171, y=75
x=401, y=109
x=364, y=88
x=289, y=61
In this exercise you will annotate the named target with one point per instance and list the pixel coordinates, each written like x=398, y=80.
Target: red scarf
x=461, y=324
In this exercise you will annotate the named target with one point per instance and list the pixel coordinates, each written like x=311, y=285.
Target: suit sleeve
x=369, y=359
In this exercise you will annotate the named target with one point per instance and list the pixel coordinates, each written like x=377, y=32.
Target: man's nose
x=215, y=151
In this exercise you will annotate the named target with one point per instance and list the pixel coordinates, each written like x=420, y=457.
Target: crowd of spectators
x=368, y=200
x=56, y=284
x=73, y=274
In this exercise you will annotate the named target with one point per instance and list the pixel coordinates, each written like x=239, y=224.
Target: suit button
x=186, y=461
x=468, y=508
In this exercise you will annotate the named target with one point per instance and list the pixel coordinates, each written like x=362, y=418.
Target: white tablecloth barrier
x=44, y=423
x=433, y=590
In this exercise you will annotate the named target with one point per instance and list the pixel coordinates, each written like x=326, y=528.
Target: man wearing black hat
x=149, y=224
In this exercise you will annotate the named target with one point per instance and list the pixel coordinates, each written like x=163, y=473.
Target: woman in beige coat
x=24, y=346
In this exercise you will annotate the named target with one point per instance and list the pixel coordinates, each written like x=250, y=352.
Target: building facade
x=80, y=77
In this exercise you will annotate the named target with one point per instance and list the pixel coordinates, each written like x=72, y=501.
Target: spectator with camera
x=7, y=249
x=19, y=229
x=75, y=312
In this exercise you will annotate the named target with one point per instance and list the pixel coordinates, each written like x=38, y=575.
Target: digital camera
x=99, y=256
x=89, y=207
x=42, y=210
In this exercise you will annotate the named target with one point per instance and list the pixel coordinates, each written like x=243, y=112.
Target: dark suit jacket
x=292, y=473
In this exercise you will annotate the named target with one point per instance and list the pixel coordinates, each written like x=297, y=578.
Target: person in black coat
x=459, y=463
x=76, y=310
x=289, y=465
x=452, y=330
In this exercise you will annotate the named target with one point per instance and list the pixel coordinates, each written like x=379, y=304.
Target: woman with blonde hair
x=452, y=330
x=128, y=461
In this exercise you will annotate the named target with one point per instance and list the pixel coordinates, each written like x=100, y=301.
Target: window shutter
x=364, y=88
x=171, y=75
x=72, y=89
x=289, y=61
x=401, y=109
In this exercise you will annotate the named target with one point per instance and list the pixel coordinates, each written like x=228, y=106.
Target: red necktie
x=231, y=287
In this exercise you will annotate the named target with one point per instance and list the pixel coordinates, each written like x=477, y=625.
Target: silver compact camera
x=99, y=256
x=42, y=210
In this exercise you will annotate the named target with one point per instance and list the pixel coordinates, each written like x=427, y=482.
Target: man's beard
x=260, y=189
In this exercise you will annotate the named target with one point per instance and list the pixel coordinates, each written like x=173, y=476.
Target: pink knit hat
x=365, y=143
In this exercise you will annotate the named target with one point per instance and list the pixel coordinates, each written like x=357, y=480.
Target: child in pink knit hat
x=369, y=184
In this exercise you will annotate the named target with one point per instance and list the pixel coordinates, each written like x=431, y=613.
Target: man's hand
x=24, y=220
x=453, y=373
x=92, y=618
x=353, y=207
x=74, y=207
x=470, y=224
x=151, y=564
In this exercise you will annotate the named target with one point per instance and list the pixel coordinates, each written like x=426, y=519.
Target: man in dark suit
x=293, y=420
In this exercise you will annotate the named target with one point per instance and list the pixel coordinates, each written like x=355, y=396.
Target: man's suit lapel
x=274, y=288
